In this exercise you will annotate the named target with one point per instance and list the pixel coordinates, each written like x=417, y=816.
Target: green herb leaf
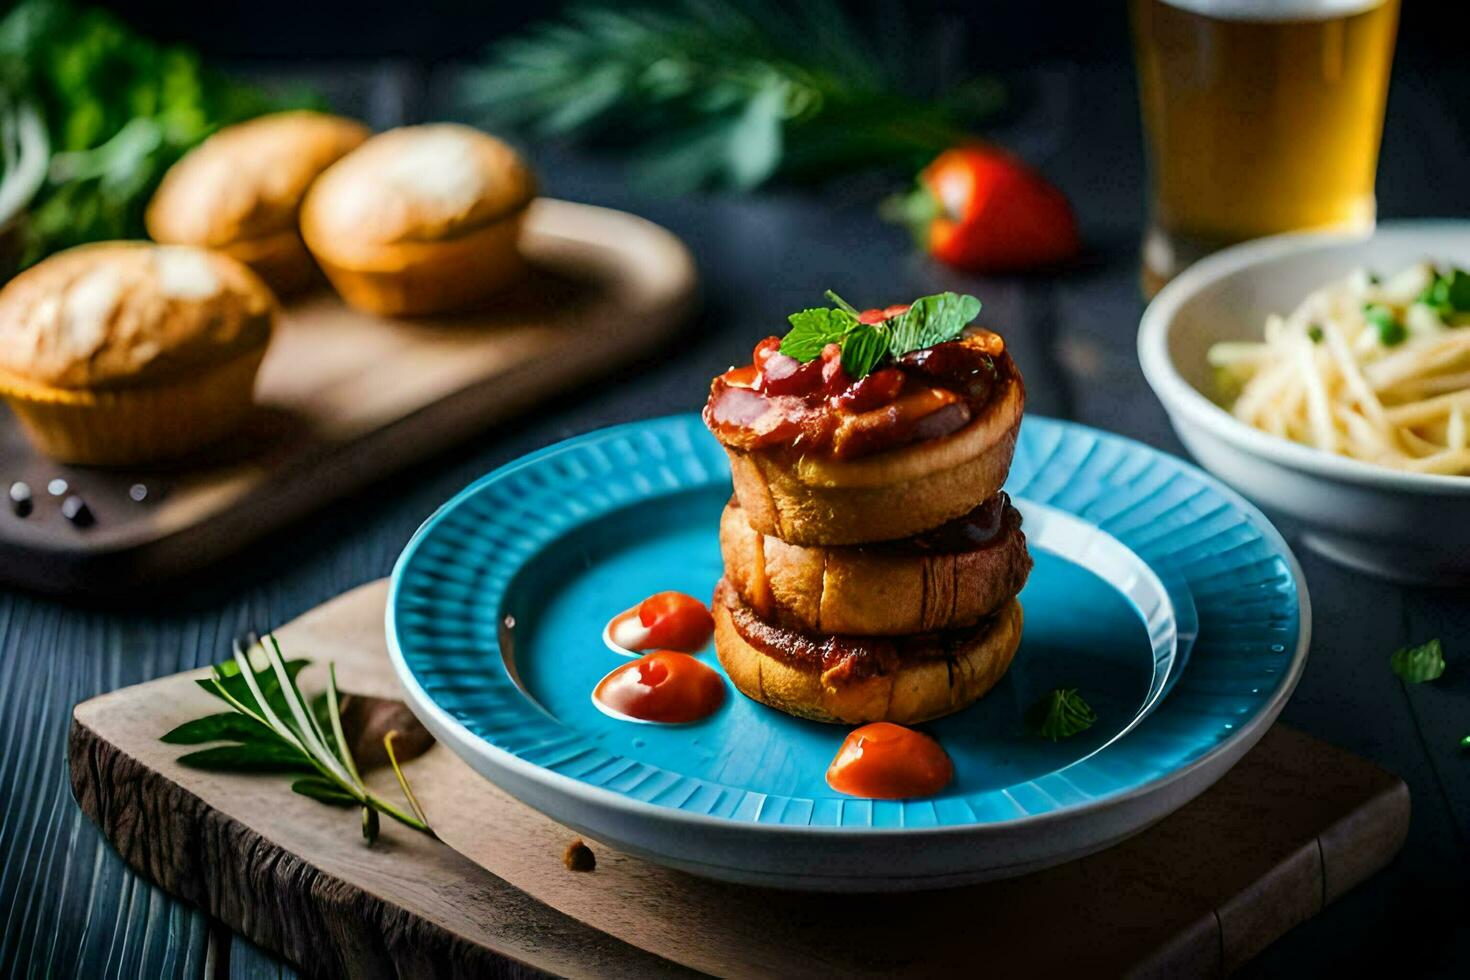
x=1457, y=290
x=931, y=320
x=812, y=330
x=276, y=729
x=1434, y=295
x=1416, y=665
x=228, y=726
x=249, y=757
x=1391, y=332
x=325, y=790
x=227, y=676
x=1061, y=714
x=1447, y=292
x=730, y=94
x=863, y=349
x=119, y=109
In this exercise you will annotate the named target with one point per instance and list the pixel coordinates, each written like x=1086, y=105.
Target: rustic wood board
x=1289, y=829
x=347, y=398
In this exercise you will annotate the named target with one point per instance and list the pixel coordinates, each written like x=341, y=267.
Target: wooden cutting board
x=1289, y=829
x=346, y=398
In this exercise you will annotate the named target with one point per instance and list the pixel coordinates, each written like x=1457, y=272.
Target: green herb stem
x=408, y=820
x=841, y=303
x=335, y=713
x=403, y=782
x=291, y=739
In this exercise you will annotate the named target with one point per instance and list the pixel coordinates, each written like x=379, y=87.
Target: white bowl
x=1405, y=526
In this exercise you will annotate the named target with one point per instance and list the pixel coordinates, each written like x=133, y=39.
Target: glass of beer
x=1260, y=116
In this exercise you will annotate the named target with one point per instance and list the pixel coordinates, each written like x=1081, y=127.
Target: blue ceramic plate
x=1141, y=562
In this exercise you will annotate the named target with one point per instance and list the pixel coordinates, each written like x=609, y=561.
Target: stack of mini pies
x=880, y=588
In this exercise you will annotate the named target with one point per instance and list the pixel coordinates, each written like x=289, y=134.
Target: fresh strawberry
x=982, y=210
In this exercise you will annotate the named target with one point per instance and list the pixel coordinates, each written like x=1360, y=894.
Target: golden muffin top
x=115, y=314
x=414, y=184
x=247, y=180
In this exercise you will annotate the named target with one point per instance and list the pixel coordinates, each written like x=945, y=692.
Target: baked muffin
x=422, y=219
x=122, y=353
x=240, y=190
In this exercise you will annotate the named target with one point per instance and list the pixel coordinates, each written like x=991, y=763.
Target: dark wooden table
x=68, y=907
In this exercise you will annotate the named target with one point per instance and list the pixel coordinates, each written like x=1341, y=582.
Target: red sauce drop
x=884, y=761
x=675, y=621
x=665, y=686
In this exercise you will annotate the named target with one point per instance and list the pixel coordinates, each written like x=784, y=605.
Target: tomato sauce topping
x=884, y=761
x=663, y=686
x=663, y=621
x=777, y=401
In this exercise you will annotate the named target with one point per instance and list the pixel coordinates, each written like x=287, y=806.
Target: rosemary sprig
x=710, y=92
x=273, y=728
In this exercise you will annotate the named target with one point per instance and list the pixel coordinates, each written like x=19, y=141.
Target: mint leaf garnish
x=863, y=349
x=1061, y=714
x=931, y=320
x=1416, y=665
x=812, y=330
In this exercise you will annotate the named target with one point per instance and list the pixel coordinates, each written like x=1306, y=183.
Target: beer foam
x=1274, y=10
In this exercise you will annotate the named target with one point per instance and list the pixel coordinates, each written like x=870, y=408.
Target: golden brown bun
x=418, y=278
x=420, y=219
x=240, y=190
x=872, y=590
x=911, y=691
x=890, y=495
x=281, y=260
x=125, y=353
x=120, y=314
x=140, y=424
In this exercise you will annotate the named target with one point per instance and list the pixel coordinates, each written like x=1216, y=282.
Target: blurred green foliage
x=119, y=110
x=711, y=93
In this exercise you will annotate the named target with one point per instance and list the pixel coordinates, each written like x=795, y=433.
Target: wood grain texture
x=295, y=876
x=70, y=907
x=346, y=398
x=1205, y=889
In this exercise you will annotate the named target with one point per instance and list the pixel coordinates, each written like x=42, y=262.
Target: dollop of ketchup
x=665, y=686
x=884, y=761
x=663, y=621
